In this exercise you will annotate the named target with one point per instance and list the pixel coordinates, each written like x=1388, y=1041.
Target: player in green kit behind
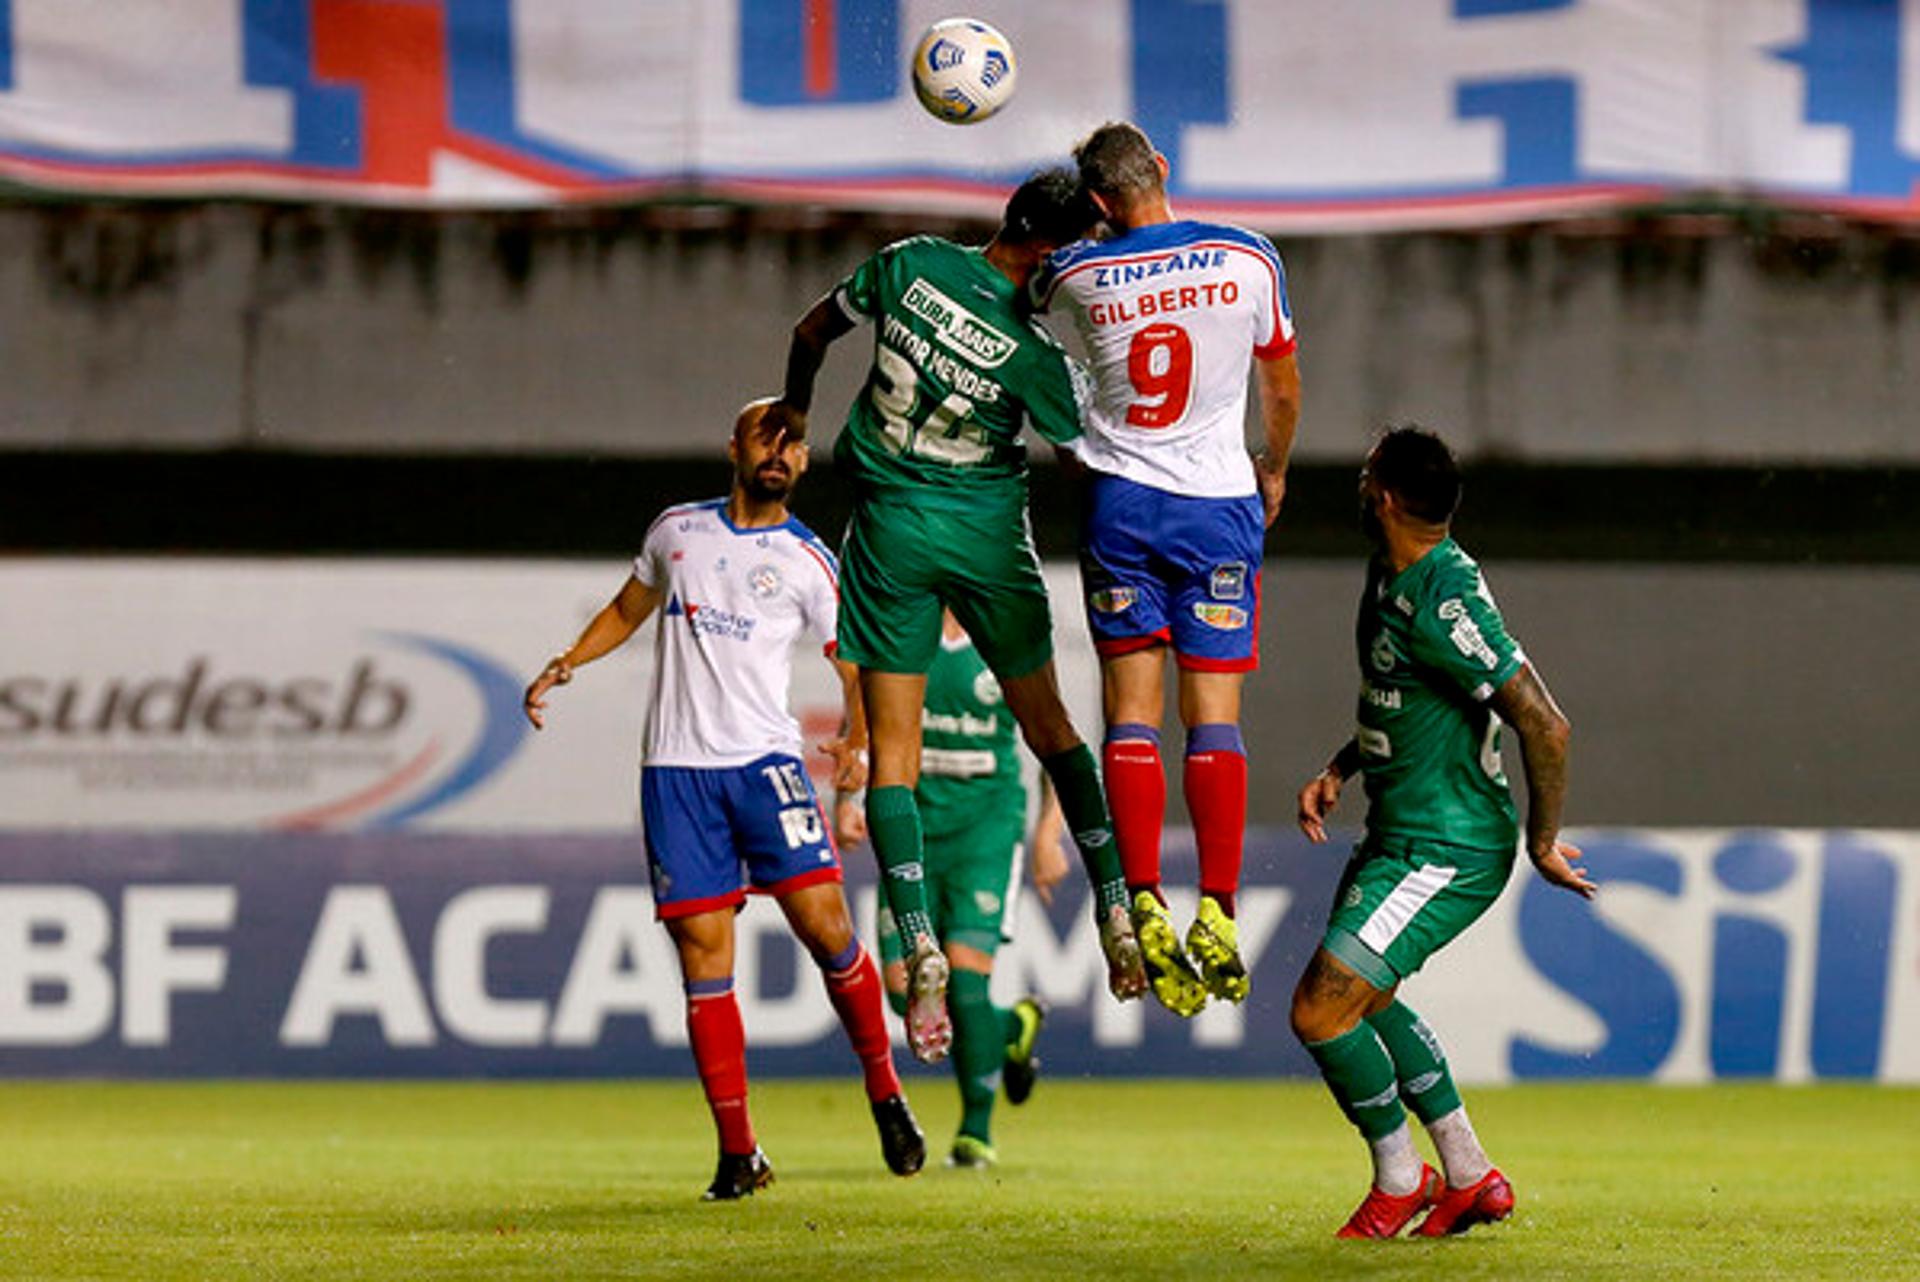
x=1439, y=674
x=973, y=812
x=932, y=446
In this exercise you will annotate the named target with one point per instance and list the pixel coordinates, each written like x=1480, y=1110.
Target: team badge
x=986, y=688
x=986, y=901
x=1113, y=600
x=1228, y=582
x=1227, y=618
x=764, y=579
x=1382, y=653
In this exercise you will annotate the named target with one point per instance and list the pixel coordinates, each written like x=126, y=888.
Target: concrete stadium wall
x=219, y=326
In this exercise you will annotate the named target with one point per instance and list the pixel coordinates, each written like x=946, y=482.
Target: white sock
x=1396, y=1163
x=1460, y=1150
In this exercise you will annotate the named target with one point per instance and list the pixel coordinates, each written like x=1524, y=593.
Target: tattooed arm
x=1543, y=730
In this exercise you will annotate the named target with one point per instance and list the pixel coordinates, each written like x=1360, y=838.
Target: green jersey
x=969, y=771
x=1433, y=649
x=958, y=367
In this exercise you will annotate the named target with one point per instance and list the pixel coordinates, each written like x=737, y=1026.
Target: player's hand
x=791, y=422
x=849, y=819
x=556, y=673
x=1557, y=867
x=849, y=765
x=1273, y=489
x=1049, y=865
x=1317, y=801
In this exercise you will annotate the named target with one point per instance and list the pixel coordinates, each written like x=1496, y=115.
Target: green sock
x=1076, y=781
x=898, y=1001
x=1418, y=1062
x=1359, y=1072
x=979, y=1049
x=893, y=823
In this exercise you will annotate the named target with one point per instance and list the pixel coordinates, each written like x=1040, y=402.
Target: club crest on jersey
x=1113, y=600
x=1228, y=582
x=764, y=580
x=1382, y=654
x=986, y=688
x=956, y=327
x=1227, y=618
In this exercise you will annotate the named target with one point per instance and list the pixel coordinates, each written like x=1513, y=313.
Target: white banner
x=325, y=695
x=1282, y=113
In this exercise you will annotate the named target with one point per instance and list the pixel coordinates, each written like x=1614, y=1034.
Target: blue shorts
x=712, y=833
x=1170, y=569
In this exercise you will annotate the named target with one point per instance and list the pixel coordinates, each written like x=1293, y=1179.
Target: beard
x=767, y=484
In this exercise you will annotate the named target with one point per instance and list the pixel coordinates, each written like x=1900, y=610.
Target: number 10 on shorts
x=799, y=817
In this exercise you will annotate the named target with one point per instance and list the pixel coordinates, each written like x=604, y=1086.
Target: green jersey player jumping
x=932, y=446
x=1439, y=674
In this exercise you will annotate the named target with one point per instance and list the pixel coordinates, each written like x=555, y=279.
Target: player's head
x=1047, y=211
x=1120, y=168
x=1410, y=474
x=768, y=461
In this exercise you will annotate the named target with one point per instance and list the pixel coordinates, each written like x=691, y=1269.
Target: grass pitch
x=1099, y=1179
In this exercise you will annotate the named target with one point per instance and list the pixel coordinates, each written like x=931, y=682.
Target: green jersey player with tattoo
x=932, y=446
x=1439, y=675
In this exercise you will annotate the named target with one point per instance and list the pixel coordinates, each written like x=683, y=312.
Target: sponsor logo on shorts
x=986, y=901
x=1354, y=896
x=1113, y=600
x=764, y=579
x=1227, y=618
x=1228, y=582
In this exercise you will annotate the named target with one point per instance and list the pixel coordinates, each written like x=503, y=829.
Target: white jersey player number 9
x=1160, y=367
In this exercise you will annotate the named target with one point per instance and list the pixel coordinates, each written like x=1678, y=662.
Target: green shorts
x=968, y=876
x=1402, y=901
x=901, y=563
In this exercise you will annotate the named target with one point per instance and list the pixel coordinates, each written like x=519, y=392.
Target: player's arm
x=607, y=631
x=824, y=324
x=1322, y=792
x=1278, y=380
x=849, y=751
x=1048, y=865
x=1544, y=733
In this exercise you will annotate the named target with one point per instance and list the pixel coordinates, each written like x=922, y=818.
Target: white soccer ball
x=963, y=71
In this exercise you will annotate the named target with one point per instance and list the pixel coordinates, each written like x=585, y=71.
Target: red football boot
x=1386, y=1214
x=1485, y=1201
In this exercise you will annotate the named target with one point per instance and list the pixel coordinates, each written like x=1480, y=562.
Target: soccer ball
x=963, y=71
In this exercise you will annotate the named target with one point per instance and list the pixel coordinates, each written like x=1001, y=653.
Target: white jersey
x=1171, y=314
x=736, y=600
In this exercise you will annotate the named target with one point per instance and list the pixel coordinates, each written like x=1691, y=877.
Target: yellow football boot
x=1169, y=972
x=1214, y=941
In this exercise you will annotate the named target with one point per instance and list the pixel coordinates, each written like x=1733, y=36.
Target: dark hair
x=1117, y=161
x=1050, y=208
x=1416, y=466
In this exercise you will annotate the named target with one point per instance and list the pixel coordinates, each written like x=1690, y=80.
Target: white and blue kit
x=724, y=795
x=1171, y=315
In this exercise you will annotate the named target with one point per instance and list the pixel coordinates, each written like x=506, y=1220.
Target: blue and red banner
x=1770, y=954
x=1286, y=113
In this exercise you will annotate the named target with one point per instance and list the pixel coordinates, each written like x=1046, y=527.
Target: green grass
x=1099, y=1180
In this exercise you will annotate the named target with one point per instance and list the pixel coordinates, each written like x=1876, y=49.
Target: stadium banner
x=1766, y=954
x=1287, y=114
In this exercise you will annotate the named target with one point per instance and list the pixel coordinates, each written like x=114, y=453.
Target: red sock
x=720, y=1053
x=861, y=1001
x=1215, y=784
x=1137, y=796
